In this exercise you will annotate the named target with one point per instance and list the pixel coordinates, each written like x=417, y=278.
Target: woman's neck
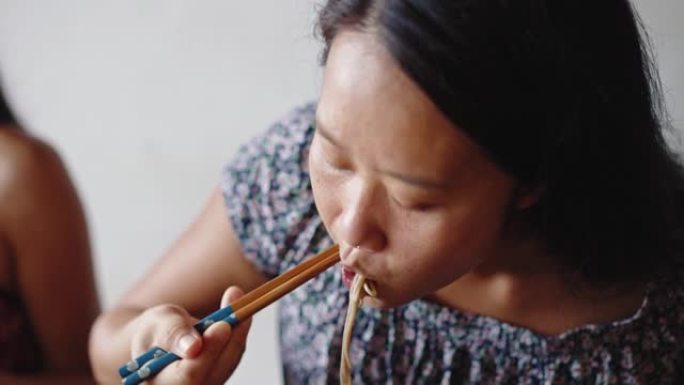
x=526, y=287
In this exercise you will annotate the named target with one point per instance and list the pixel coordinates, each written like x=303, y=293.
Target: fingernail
x=185, y=342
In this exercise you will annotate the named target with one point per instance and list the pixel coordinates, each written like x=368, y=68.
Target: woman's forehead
x=368, y=104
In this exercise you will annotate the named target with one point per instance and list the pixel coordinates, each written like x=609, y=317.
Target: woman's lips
x=347, y=277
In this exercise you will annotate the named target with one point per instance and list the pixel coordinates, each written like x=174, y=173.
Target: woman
x=496, y=168
x=48, y=298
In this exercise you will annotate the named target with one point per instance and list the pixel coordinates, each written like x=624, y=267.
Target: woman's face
x=392, y=176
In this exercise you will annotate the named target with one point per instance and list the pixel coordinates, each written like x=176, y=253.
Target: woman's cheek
x=432, y=252
x=325, y=196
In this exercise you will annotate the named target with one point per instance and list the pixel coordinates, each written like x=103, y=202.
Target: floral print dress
x=271, y=208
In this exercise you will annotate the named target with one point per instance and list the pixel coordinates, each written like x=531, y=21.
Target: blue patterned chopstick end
x=201, y=326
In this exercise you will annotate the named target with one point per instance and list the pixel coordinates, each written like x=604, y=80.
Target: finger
x=168, y=327
x=230, y=295
x=178, y=334
x=214, y=342
x=187, y=343
x=230, y=357
x=196, y=370
x=232, y=352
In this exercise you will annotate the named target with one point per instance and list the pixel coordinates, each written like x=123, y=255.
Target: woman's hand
x=207, y=257
x=206, y=359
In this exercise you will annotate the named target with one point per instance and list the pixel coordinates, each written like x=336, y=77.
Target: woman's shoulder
x=287, y=134
x=27, y=163
x=34, y=188
x=21, y=148
x=268, y=194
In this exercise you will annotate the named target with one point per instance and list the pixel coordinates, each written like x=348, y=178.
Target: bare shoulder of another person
x=47, y=256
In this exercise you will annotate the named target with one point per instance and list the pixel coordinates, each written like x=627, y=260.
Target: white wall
x=664, y=24
x=147, y=99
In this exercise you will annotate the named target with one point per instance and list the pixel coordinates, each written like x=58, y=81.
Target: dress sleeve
x=268, y=194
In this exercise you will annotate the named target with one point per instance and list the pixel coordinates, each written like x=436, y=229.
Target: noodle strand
x=359, y=289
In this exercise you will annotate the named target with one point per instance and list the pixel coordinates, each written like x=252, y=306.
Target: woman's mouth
x=347, y=277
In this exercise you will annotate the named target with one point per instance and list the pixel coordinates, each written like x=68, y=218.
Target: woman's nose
x=360, y=225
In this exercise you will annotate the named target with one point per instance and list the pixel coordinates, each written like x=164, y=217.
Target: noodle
x=359, y=289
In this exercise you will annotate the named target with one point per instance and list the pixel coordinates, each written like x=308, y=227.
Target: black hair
x=563, y=95
x=6, y=116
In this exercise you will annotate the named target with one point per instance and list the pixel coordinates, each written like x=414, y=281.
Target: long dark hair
x=562, y=95
x=6, y=116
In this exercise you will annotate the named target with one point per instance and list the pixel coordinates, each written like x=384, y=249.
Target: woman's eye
x=329, y=155
x=415, y=206
x=421, y=207
x=337, y=163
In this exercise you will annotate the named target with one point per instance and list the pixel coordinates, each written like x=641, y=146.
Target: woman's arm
x=185, y=284
x=43, y=224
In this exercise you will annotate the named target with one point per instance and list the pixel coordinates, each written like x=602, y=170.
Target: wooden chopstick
x=277, y=281
x=322, y=262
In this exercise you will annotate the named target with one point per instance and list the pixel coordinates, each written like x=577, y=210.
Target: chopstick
x=153, y=361
x=263, y=295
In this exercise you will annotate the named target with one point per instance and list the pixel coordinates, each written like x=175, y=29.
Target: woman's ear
x=527, y=196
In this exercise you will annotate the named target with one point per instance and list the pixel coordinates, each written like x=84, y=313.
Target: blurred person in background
x=48, y=298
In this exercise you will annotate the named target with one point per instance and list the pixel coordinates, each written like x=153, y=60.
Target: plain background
x=148, y=99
